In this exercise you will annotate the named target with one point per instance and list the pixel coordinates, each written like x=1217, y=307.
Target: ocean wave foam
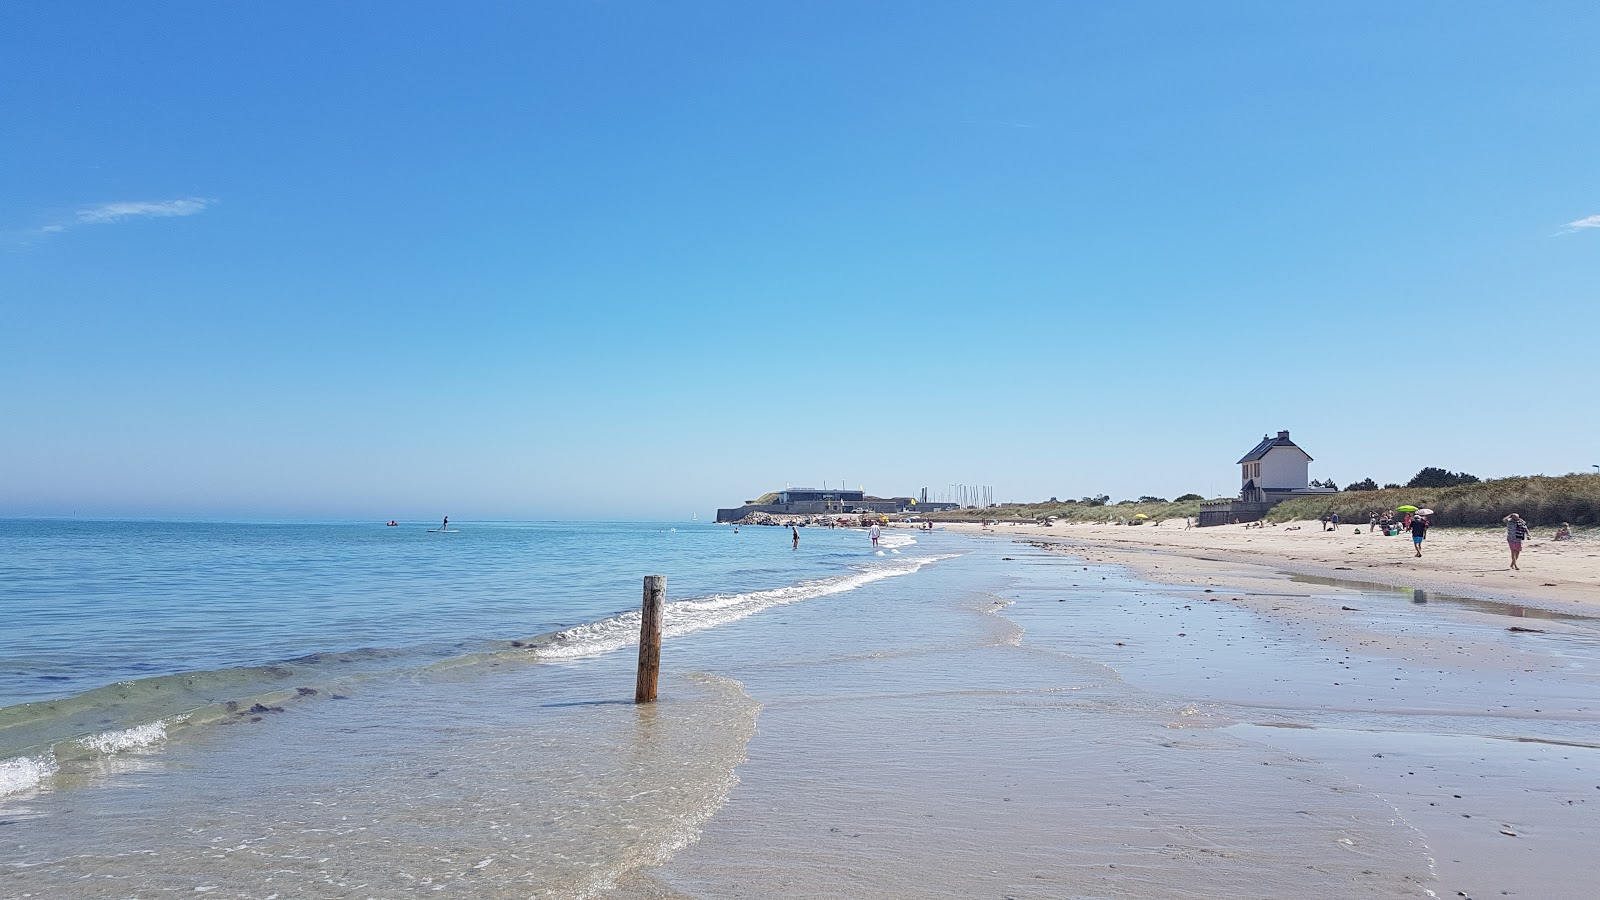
x=896, y=540
x=687, y=616
x=24, y=772
x=135, y=738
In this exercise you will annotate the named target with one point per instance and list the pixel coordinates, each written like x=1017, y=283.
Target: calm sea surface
x=86, y=604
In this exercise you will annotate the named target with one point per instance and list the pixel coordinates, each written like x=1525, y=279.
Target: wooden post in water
x=652, y=614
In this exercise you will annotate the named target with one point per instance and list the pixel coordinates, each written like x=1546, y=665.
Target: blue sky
x=606, y=259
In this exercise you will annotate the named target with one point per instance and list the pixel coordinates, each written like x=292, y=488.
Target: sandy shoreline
x=1562, y=576
x=1081, y=719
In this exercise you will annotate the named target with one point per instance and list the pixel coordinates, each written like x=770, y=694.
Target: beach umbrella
x=1405, y=509
x=1424, y=512
x=1140, y=516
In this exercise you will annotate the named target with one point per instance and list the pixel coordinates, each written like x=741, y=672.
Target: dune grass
x=1540, y=499
x=1071, y=512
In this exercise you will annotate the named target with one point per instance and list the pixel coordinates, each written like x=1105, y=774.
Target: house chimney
x=1283, y=435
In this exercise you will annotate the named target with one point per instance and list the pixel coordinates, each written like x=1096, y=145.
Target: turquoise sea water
x=118, y=634
x=86, y=604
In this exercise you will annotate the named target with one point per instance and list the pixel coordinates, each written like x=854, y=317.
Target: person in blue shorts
x=1419, y=530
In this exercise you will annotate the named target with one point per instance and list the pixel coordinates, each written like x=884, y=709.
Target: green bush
x=1435, y=477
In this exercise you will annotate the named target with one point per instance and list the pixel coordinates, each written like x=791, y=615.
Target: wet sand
x=1040, y=724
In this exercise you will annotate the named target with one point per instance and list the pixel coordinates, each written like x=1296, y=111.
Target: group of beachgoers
x=1517, y=530
x=1416, y=522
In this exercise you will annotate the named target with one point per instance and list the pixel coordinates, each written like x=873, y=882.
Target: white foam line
x=135, y=738
x=24, y=773
x=686, y=616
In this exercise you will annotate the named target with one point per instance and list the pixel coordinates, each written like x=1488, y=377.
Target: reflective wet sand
x=1034, y=728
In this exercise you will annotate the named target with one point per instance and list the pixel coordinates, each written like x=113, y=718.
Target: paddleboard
x=442, y=531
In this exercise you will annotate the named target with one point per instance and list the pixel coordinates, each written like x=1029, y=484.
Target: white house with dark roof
x=1274, y=471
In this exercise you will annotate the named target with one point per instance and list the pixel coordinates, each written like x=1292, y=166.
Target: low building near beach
x=1274, y=471
x=825, y=501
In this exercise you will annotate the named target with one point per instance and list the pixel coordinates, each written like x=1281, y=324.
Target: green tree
x=1187, y=497
x=1435, y=477
x=1365, y=484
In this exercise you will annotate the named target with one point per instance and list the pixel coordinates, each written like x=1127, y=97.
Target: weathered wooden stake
x=654, y=611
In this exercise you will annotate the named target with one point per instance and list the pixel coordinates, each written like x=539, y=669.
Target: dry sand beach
x=1470, y=562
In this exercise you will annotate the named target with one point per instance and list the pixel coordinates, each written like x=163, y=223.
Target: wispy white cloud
x=110, y=213
x=130, y=209
x=1580, y=224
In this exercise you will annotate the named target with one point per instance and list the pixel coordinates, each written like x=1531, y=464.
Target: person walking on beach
x=1516, y=533
x=796, y=532
x=1335, y=521
x=873, y=533
x=1419, y=530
